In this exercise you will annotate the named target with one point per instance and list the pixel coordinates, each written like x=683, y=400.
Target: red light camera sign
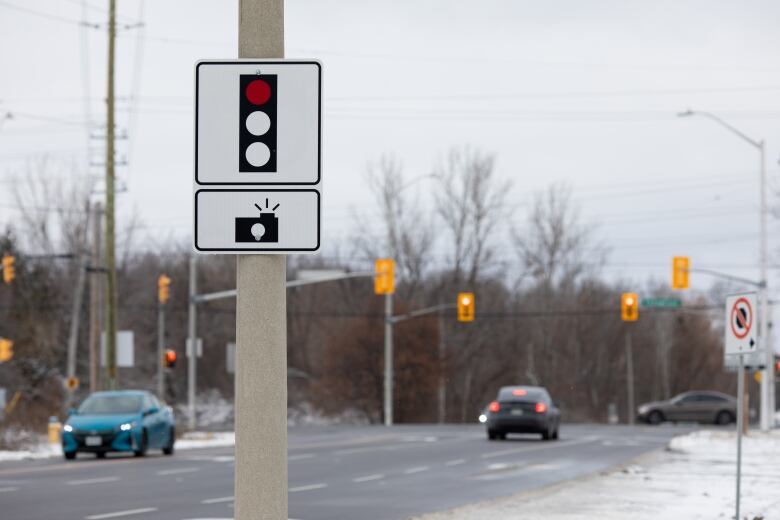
x=258, y=185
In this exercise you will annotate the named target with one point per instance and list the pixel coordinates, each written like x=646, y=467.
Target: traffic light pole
x=391, y=320
x=261, y=329
x=160, y=350
x=192, y=343
x=630, y=378
x=389, y=372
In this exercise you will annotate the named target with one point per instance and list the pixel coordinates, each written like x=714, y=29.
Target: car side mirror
x=72, y=411
x=151, y=411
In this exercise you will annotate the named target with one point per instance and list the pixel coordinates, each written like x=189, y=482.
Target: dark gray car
x=700, y=406
x=523, y=409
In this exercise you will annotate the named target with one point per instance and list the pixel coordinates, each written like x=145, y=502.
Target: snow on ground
x=189, y=441
x=694, y=478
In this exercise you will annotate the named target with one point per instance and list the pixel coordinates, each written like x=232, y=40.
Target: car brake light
x=519, y=392
x=494, y=406
x=541, y=407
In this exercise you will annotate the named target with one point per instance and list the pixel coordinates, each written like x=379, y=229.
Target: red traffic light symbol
x=258, y=92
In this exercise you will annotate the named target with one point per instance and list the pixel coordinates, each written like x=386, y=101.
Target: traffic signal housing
x=169, y=358
x=9, y=273
x=629, y=307
x=163, y=289
x=384, y=276
x=680, y=266
x=257, y=123
x=6, y=350
x=466, y=306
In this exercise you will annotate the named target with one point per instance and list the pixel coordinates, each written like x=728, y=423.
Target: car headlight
x=68, y=428
x=482, y=418
x=127, y=426
x=643, y=409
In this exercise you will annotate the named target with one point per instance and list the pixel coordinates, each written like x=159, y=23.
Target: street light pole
x=389, y=373
x=767, y=379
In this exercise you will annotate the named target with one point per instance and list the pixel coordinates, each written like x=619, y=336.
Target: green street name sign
x=661, y=302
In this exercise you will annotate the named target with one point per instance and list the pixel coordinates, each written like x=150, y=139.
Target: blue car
x=128, y=420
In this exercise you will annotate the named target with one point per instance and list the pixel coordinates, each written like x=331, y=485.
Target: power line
x=48, y=16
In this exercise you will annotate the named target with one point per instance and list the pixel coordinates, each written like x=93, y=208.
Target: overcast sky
x=574, y=91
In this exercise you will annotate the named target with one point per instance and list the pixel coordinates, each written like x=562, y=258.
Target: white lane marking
x=310, y=487
x=537, y=447
x=368, y=478
x=301, y=456
x=418, y=469
x=7, y=489
x=217, y=500
x=178, y=471
x=92, y=481
x=122, y=513
x=455, y=462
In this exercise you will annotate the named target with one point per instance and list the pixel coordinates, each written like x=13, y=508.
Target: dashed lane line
x=456, y=462
x=418, y=469
x=91, y=481
x=177, y=471
x=369, y=478
x=310, y=487
x=301, y=456
x=217, y=500
x=8, y=489
x=546, y=445
x=117, y=514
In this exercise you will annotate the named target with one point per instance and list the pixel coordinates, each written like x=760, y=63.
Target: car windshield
x=111, y=404
x=520, y=394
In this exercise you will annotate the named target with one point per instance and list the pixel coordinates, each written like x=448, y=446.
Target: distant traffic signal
x=384, y=276
x=9, y=273
x=465, y=306
x=163, y=288
x=257, y=123
x=169, y=359
x=680, y=272
x=629, y=307
x=6, y=350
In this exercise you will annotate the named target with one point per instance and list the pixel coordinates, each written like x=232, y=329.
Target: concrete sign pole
x=389, y=372
x=261, y=329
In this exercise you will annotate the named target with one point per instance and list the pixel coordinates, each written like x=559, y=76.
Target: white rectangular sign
x=125, y=349
x=258, y=181
x=741, y=324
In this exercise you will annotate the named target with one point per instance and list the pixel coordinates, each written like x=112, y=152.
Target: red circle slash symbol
x=741, y=318
x=258, y=92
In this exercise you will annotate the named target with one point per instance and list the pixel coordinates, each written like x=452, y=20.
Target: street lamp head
x=687, y=113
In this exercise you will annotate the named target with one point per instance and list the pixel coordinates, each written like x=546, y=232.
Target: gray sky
x=581, y=92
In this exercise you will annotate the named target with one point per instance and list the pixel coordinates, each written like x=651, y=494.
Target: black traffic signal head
x=257, y=123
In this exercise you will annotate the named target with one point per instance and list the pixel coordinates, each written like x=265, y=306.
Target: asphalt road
x=336, y=473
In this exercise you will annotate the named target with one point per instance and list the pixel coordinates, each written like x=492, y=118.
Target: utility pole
x=630, y=377
x=442, y=374
x=111, y=292
x=261, y=329
x=389, y=372
x=160, y=348
x=95, y=317
x=767, y=380
x=192, y=343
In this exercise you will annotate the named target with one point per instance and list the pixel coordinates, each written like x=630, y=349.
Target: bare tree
x=408, y=234
x=556, y=248
x=470, y=201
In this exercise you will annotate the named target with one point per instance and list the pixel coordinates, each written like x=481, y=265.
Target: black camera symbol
x=264, y=228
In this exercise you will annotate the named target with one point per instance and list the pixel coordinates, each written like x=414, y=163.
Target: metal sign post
x=741, y=311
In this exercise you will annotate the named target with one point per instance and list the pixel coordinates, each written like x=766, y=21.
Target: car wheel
x=141, y=451
x=555, y=433
x=492, y=435
x=100, y=454
x=502, y=436
x=655, y=417
x=547, y=434
x=168, y=450
x=724, y=418
x=69, y=455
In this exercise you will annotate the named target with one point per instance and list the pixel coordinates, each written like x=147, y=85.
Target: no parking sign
x=741, y=324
